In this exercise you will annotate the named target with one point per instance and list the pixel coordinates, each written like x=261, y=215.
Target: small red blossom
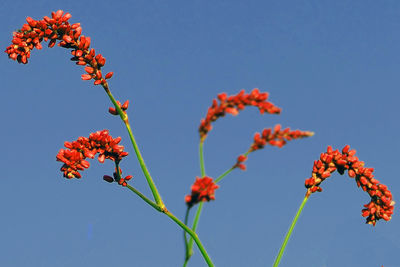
x=239, y=162
x=57, y=28
x=74, y=157
x=381, y=205
x=124, y=107
x=203, y=189
x=273, y=137
x=233, y=104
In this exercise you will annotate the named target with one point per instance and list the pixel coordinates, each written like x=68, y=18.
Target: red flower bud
x=86, y=77
x=125, y=105
x=113, y=111
x=109, y=75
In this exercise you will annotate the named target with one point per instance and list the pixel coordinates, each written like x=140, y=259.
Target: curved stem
x=124, y=117
x=289, y=233
x=177, y=221
x=194, y=228
x=187, y=254
x=188, y=246
x=193, y=235
x=159, y=205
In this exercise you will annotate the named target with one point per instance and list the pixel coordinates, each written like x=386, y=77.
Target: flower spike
x=57, y=28
x=276, y=137
x=233, y=104
x=381, y=205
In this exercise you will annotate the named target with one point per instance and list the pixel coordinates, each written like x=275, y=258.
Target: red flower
x=58, y=28
x=77, y=151
x=239, y=162
x=203, y=189
x=381, y=205
x=275, y=137
x=233, y=104
x=124, y=107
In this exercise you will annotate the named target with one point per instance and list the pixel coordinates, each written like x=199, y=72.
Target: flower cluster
x=233, y=104
x=381, y=205
x=276, y=137
x=74, y=157
x=56, y=28
x=203, y=189
x=124, y=107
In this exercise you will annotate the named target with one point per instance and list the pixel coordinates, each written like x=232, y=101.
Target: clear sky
x=332, y=66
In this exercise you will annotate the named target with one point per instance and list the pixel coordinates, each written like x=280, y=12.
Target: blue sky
x=332, y=66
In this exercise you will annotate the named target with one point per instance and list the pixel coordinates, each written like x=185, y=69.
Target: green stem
x=289, y=233
x=189, y=249
x=187, y=254
x=159, y=205
x=224, y=174
x=147, y=200
x=229, y=170
x=201, y=156
x=189, y=245
x=124, y=117
x=193, y=235
x=177, y=221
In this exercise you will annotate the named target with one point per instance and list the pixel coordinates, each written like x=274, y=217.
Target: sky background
x=332, y=66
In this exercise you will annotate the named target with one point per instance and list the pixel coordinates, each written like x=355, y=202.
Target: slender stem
x=289, y=233
x=147, y=200
x=229, y=170
x=124, y=117
x=193, y=235
x=159, y=205
x=224, y=174
x=186, y=261
x=121, y=113
x=137, y=192
x=177, y=221
x=197, y=217
x=189, y=245
x=201, y=156
x=187, y=254
x=194, y=228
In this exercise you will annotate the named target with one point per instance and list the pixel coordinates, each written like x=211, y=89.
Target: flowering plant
x=74, y=157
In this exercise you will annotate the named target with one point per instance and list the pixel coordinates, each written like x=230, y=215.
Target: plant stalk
x=124, y=118
x=289, y=233
x=177, y=221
